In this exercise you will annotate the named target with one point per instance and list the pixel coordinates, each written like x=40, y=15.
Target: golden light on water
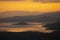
x=25, y=29
x=16, y=28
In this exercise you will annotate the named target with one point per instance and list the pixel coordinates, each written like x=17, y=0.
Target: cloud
x=11, y=0
x=35, y=0
x=46, y=1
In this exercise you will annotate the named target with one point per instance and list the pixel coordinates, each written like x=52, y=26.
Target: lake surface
x=33, y=26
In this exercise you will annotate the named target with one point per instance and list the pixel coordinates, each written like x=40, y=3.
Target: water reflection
x=28, y=26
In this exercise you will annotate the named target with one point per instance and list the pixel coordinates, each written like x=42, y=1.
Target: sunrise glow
x=28, y=6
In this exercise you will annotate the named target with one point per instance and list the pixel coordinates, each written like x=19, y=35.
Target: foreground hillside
x=30, y=36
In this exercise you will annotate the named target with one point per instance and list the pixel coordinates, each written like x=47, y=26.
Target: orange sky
x=28, y=6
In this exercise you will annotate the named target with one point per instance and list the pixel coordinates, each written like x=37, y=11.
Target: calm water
x=33, y=26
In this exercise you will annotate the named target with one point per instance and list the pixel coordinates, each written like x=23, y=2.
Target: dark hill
x=29, y=36
x=45, y=18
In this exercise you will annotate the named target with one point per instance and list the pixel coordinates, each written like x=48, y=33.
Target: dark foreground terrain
x=30, y=36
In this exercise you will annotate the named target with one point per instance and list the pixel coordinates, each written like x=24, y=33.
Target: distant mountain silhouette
x=45, y=18
x=21, y=23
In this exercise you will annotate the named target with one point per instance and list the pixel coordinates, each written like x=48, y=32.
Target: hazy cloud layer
x=11, y=0
x=46, y=1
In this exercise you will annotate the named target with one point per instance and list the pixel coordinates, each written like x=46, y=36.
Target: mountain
x=45, y=18
x=17, y=13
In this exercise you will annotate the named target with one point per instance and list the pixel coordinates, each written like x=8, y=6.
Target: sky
x=29, y=5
